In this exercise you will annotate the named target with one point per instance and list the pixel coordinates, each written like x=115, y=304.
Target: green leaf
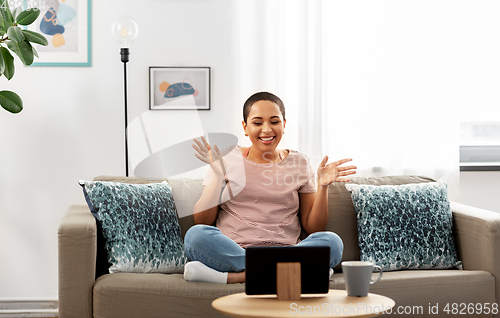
x=3, y=29
x=28, y=16
x=15, y=34
x=2, y=65
x=9, y=63
x=35, y=52
x=11, y=102
x=34, y=37
x=5, y=25
x=6, y=14
x=23, y=50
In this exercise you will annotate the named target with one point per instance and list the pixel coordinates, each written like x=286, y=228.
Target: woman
x=270, y=194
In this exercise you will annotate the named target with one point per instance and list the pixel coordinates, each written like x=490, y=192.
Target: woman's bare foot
x=235, y=278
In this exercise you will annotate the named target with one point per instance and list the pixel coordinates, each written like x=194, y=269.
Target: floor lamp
x=125, y=31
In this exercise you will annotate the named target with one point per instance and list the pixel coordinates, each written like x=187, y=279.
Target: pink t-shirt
x=265, y=204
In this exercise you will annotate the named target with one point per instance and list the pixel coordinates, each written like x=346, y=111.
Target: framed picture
x=179, y=88
x=67, y=26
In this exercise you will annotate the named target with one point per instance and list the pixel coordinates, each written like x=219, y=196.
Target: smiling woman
x=274, y=185
x=264, y=125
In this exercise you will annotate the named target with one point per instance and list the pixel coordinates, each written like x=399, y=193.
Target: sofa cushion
x=132, y=295
x=186, y=193
x=405, y=226
x=139, y=224
x=341, y=214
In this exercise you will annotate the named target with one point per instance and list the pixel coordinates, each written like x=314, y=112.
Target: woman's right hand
x=207, y=207
x=209, y=155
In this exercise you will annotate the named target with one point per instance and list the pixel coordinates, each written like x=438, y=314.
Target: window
x=480, y=146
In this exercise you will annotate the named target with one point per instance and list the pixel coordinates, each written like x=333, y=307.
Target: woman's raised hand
x=210, y=155
x=334, y=171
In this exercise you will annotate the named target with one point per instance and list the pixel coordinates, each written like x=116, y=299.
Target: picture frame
x=179, y=88
x=67, y=26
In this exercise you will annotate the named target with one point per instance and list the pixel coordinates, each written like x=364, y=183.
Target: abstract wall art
x=179, y=88
x=67, y=26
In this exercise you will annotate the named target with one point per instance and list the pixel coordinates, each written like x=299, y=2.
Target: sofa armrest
x=77, y=240
x=477, y=237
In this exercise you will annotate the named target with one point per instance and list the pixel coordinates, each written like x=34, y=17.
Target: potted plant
x=13, y=38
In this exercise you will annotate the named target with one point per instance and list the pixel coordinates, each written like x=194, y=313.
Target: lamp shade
x=125, y=30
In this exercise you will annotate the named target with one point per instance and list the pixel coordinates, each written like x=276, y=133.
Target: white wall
x=72, y=126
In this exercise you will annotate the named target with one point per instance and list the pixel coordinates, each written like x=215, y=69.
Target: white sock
x=331, y=273
x=199, y=272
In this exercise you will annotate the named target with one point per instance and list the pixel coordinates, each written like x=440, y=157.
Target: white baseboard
x=28, y=307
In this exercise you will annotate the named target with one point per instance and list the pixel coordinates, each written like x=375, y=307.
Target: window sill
x=480, y=166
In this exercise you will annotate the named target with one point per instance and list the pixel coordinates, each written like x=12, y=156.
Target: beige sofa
x=85, y=290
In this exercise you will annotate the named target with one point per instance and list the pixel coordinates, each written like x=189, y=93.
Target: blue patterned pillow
x=405, y=226
x=139, y=224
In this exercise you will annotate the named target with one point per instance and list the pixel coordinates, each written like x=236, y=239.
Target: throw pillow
x=405, y=226
x=139, y=224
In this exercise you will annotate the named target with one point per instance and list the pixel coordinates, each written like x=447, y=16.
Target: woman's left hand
x=334, y=171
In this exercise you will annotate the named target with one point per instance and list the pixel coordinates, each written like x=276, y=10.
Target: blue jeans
x=208, y=245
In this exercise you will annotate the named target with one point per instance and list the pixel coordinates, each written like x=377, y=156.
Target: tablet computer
x=261, y=263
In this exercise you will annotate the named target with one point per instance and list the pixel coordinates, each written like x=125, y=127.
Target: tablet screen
x=261, y=268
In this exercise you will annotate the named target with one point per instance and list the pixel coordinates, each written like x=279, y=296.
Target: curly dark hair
x=262, y=96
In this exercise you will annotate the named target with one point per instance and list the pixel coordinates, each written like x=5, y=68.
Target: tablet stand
x=288, y=281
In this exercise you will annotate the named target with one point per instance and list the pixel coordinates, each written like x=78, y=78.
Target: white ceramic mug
x=357, y=276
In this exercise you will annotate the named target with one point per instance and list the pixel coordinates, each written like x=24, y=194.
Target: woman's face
x=265, y=125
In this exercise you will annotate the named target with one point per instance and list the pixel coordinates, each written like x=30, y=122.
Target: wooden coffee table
x=334, y=304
